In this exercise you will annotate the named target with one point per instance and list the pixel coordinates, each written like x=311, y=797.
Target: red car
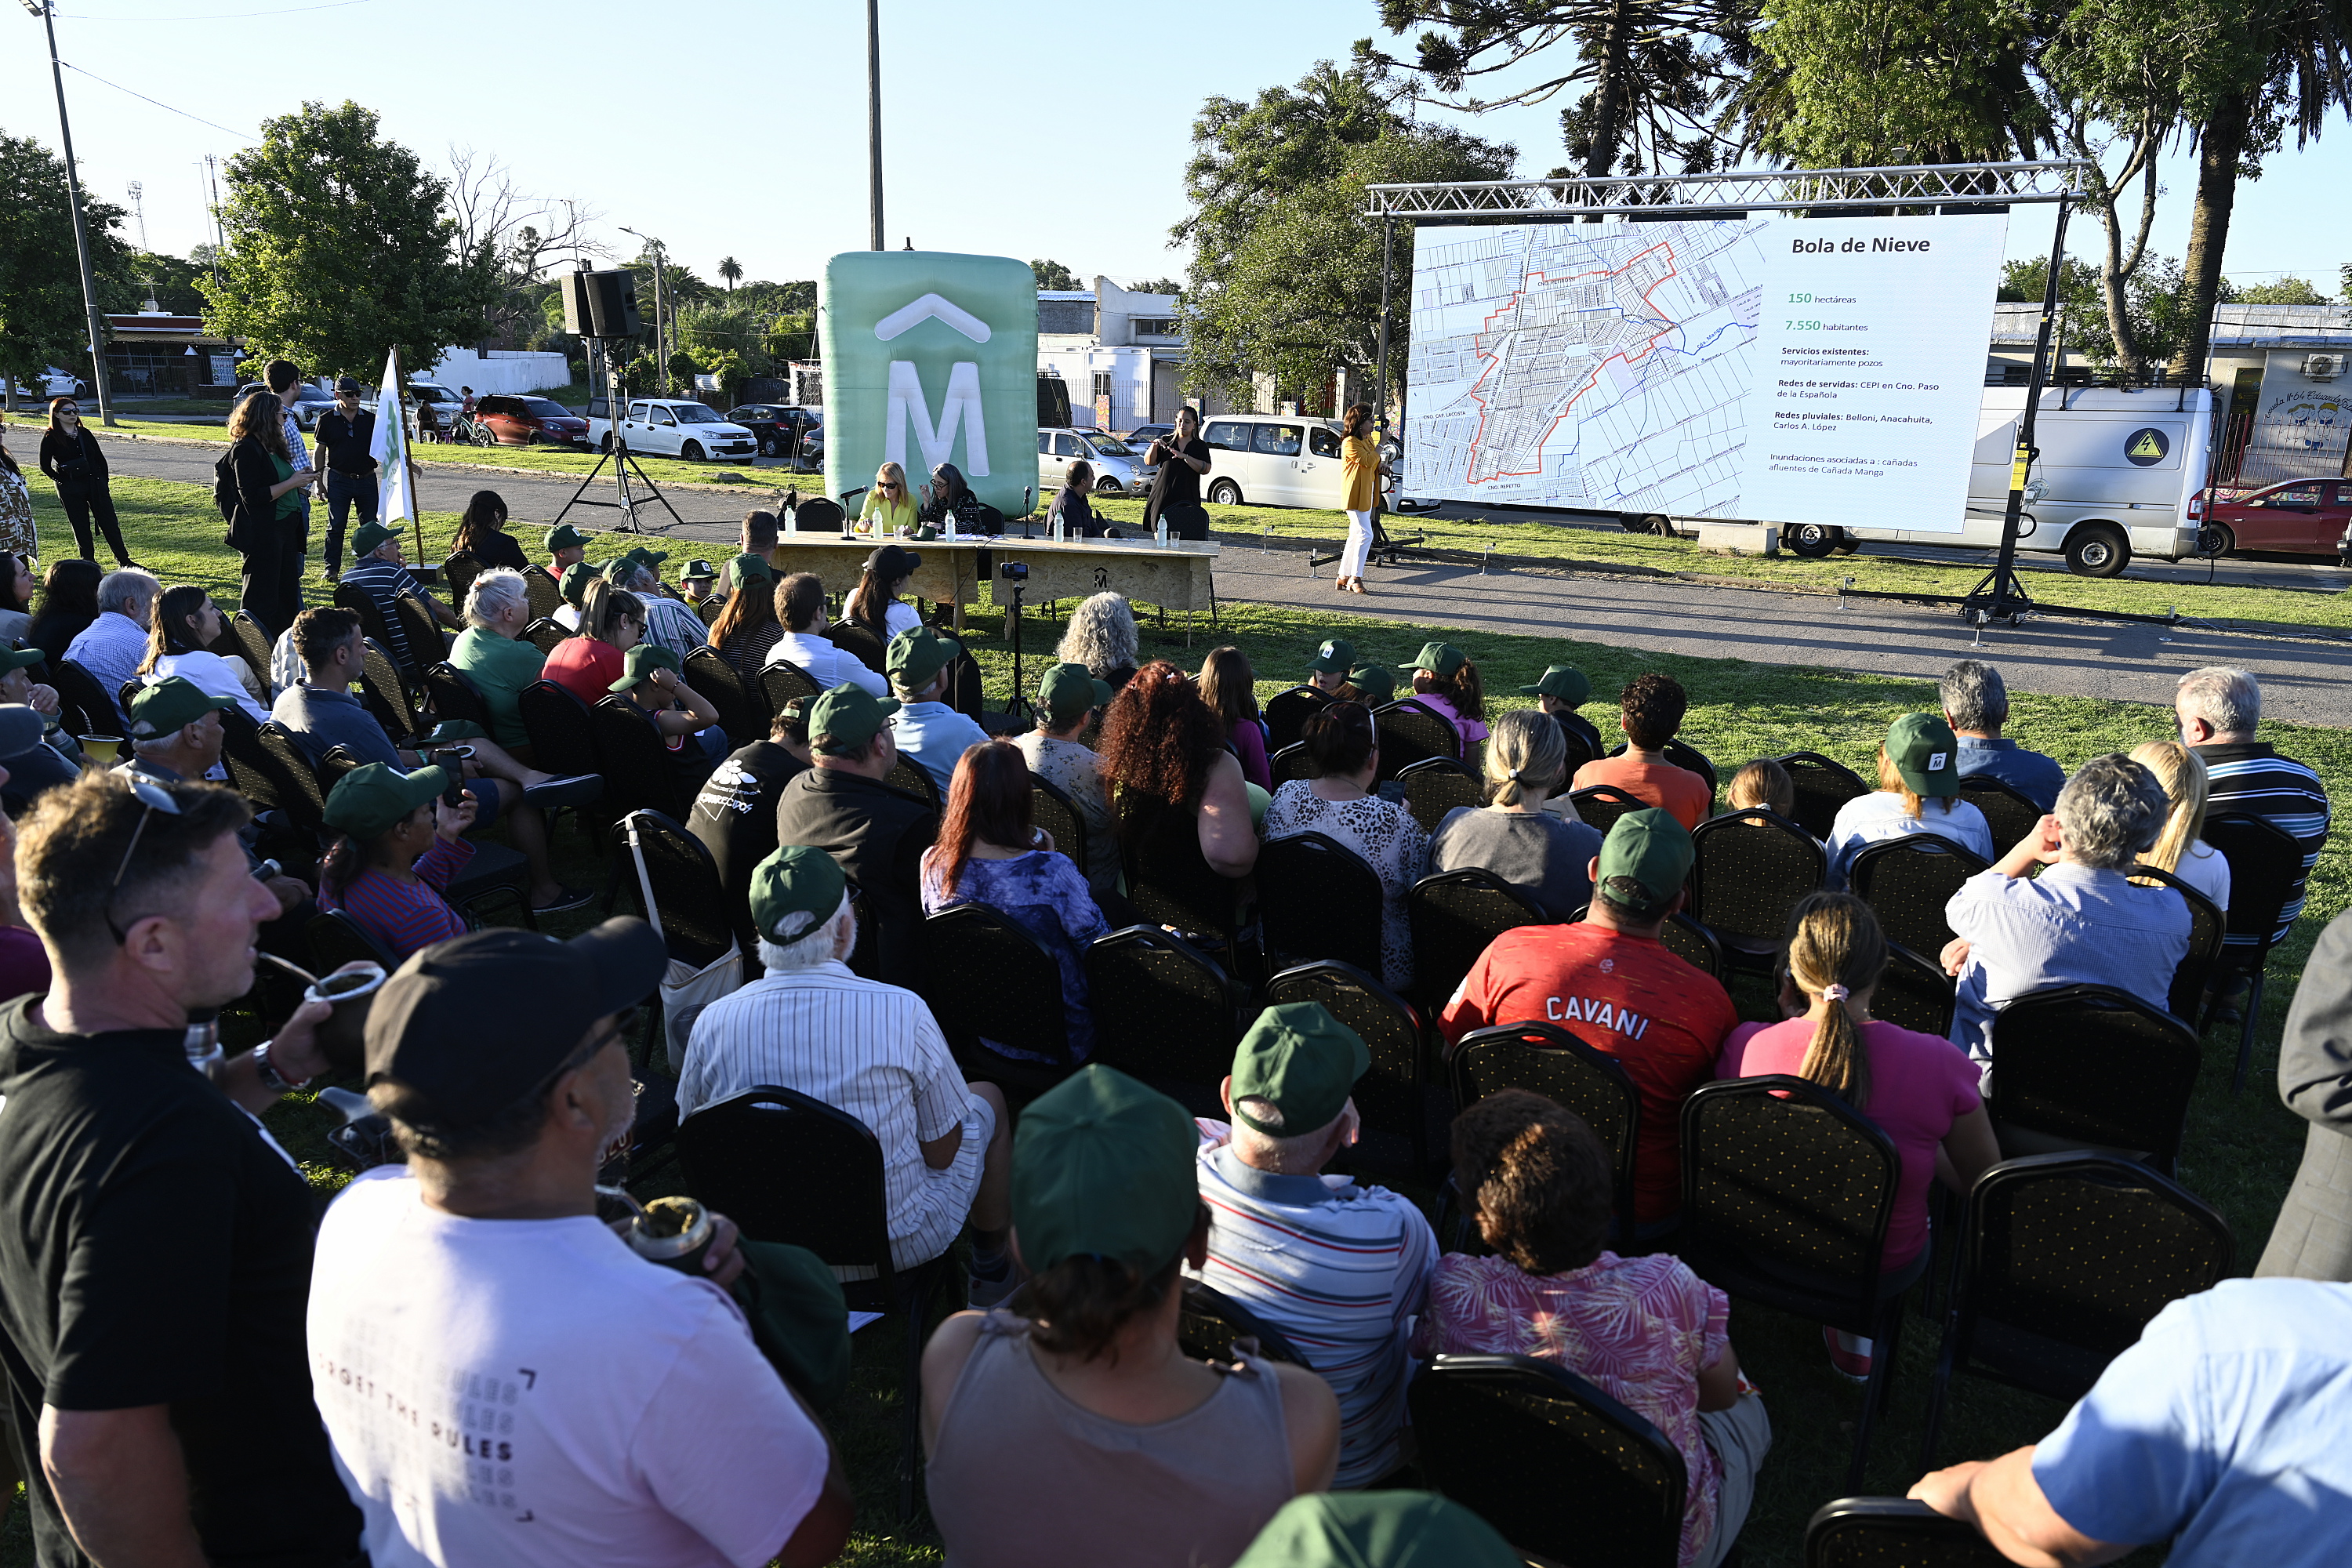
x=530, y=422
x=2296, y=517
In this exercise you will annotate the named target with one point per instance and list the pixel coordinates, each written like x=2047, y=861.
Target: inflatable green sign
x=931, y=358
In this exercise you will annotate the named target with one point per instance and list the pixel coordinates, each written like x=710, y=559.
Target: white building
x=1119, y=352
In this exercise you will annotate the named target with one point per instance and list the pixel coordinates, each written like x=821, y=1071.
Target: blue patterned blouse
x=1043, y=894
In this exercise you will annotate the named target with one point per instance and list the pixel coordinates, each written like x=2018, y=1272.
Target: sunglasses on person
x=893, y=486
x=154, y=797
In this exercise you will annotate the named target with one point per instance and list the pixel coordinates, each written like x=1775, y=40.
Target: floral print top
x=1639, y=1328
x=1385, y=834
x=18, y=534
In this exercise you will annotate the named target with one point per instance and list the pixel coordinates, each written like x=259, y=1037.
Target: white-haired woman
x=1103, y=638
x=493, y=655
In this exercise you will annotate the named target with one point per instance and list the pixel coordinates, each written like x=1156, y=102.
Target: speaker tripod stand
x=618, y=455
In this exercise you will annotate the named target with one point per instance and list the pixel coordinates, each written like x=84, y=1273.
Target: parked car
x=785, y=429
x=1273, y=460
x=1119, y=468
x=531, y=421
x=307, y=403
x=2295, y=517
x=1142, y=436
x=671, y=427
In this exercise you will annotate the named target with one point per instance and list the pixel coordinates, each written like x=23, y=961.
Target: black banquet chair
x=1435, y=786
x=1057, y=814
x=2264, y=861
x=1600, y=805
x=2063, y=1260
x=985, y=978
x=2090, y=1067
x=1456, y=917
x=1391, y=1096
x=1210, y=1325
x=1749, y=872
x=1554, y=1063
x=784, y=681
x=743, y=706
x=1893, y=1532
x=547, y=633
x=1410, y=732
x=1684, y=756
x=1514, y=1439
x=1287, y=714
x=2007, y=811
x=2208, y=929
x=1317, y=898
x=1906, y=882
x=1823, y=786
x=1914, y=993
x=636, y=763
x=1164, y=1013
x=1291, y=762
x=451, y=695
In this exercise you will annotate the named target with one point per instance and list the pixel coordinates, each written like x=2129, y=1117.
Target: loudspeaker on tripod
x=601, y=304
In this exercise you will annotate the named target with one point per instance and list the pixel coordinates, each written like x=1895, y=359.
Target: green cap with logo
x=1438, y=659
x=1652, y=851
x=1376, y=1529
x=1561, y=683
x=643, y=660
x=1924, y=752
x=1374, y=683
x=1304, y=1061
x=575, y=580
x=1104, y=1167
x=19, y=658
x=846, y=717
x=1070, y=690
x=794, y=890
x=369, y=802
x=565, y=537
x=171, y=703
x=915, y=655
x=699, y=570
x=370, y=538
x=1334, y=657
x=743, y=568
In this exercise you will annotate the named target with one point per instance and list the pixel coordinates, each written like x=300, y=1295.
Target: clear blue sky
x=1028, y=129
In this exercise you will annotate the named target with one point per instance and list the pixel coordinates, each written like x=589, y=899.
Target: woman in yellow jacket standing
x=1359, y=466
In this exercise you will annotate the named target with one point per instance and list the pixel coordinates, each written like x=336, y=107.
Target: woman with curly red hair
x=1164, y=759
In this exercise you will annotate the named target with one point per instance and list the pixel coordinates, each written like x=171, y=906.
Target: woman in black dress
x=75, y=463
x=1181, y=458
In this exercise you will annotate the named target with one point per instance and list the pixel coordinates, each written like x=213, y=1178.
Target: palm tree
x=731, y=270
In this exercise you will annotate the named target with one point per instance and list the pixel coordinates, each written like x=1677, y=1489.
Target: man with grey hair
x=668, y=623
x=1339, y=1266
x=2081, y=922
x=871, y=1050
x=112, y=647
x=493, y=655
x=1976, y=705
x=2216, y=709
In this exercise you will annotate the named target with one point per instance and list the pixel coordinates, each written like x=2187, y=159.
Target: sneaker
x=569, y=899
x=331, y=575
x=985, y=1294
x=1849, y=1354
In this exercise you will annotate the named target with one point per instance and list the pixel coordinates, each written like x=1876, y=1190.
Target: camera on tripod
x=1013, y=571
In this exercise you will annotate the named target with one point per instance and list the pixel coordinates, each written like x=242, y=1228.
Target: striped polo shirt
x=2249, y=779
x=1340, y=1269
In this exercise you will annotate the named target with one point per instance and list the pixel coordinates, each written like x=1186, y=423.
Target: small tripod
x=1015, y=576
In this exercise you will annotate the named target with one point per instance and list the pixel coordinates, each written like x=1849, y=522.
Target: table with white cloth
x=1175, y=576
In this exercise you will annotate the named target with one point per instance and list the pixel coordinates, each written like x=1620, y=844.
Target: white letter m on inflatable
x=961, y=408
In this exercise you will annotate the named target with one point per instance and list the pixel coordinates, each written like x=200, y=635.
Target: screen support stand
x=624, y=464
x=2001, y=596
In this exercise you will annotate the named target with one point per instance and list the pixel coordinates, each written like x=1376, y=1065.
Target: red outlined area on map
x=1629, y=356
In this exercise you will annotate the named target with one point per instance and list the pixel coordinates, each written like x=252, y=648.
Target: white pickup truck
x=672, y=427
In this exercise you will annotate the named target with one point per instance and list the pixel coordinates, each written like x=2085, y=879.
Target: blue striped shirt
x=2249, y=779
x=1341, y=1269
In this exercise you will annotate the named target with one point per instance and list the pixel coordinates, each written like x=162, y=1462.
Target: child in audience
x=1763, y=784
x=1652, y=707
x=400, y=847
x=1644, y=1331
x=1444, y=677
x=1919, y=791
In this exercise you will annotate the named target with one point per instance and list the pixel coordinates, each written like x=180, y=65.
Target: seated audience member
x=875, y=603
x=931, y=734
x=746, y=627
x=670, y=622
x=113, y=645
x=734, y=812
x=1919, y=791
x=758, y=537
x=1920, y=1092
x=1339, y=1266
x=2080, y=921
x=1225, y=686
x=870, y=1050
x=1976, y=705
x=1071, y=1431
x=698, y=584
x=1327, y=671
x=1378, y=1529
x=68, y=603
x=1610, y=981
x=176, y=730
x=573, y=586
x=1373, y=685
x=2311, y=1239
x=2179, y=848
x=878, y=833
x=398, y=847
x=685, y=719
x=1445, y=678
x=1543, y=856
x=2216, y=1433
x=1345, y=748
x=1102, y=636
x=28, y=766
x=24, y=962
x=1067, y=701
x=378, y=566
x=2217, y=709
x=1563, y=689
x=16, y=683
x=566, y=547
x=585, y=664
x=1763, y=784
x=482, y=534
x=1167, y=774
x=800, y=604
x=16, y=598
x=186, y=623
x=485, y=1251
x=494, y=658
x=1652, y=708
x=988, y=853
x=1644, y=1331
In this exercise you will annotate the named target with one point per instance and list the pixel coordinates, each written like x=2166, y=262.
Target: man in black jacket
x=878, y=833
x=346, y=432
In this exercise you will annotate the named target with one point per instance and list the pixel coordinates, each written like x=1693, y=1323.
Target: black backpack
x=224, y=485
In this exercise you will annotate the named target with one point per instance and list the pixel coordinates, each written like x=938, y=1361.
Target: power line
x=157, y=102
x=227, y=16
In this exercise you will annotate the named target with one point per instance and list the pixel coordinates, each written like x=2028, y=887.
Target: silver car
x=1118, y=466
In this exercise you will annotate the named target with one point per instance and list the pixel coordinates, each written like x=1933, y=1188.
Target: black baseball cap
x=891, y=563
x=467, y=1028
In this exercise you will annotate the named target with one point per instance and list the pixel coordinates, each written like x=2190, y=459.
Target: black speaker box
x=601, y=304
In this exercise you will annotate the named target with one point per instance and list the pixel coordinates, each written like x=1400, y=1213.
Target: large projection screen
x=1772, y=369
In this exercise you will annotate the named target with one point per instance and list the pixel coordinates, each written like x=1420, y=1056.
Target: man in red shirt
x=1654, y=707
x=1610, y=981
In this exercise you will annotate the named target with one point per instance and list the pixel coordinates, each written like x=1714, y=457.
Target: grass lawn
x=2239, y=1152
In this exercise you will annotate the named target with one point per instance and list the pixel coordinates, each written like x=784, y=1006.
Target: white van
x=1273, y=460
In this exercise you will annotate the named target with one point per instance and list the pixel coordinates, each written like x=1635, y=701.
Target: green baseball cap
x=1376, y=1529
x=565, y=538
x=370, y=800
x=795, y=880
x=642, y=661
x=170, y=704
x=743, y=568
x=1438, y=659
x=575, y=580
x=372, y=538
x=699, y=570
x=846, y=717
x=1562, y=683
x=1924, y=751
x=1334, y=657
x=641, y=556
x=1653, y=851
x=1374, y=682
x=1103, y=1167
x=1068, y=691
x=915, y=656
x=1303, y=1059
x=19, y=658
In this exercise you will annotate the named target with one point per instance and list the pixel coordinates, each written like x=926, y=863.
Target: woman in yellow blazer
x=889, y=506
x=1360, y=471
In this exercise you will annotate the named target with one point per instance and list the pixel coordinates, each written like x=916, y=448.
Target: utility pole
x=661, y=349
x=42, y=9
x=874, y=117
